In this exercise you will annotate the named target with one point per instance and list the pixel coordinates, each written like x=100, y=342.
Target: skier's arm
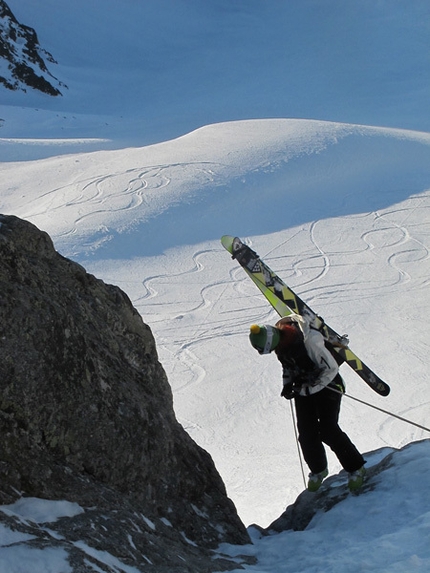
x=324, y=361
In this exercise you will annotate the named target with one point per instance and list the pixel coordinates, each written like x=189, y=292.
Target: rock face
x=86, y=411
x=23, y=58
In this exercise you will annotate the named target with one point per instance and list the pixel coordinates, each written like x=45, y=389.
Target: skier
x=311, y=377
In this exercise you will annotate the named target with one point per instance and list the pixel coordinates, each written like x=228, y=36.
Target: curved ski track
x=225, y=306
x=103, y=202
x=191, y=322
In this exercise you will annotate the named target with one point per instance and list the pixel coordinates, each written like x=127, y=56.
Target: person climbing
x=311, y=377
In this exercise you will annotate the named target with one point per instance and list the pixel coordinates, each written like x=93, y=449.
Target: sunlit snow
x=305, y=131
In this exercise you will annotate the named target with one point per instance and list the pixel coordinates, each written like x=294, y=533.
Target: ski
x=285, y=301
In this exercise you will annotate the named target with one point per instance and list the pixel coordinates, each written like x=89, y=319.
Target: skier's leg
x=328, y=405
x=309, y=434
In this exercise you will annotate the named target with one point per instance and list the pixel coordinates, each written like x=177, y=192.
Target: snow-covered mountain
x=143, y=72
x=301, y=126
x=22, y=60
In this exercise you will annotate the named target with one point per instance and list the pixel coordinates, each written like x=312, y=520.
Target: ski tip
x=227, y=242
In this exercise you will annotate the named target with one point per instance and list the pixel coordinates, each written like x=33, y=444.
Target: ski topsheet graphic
x=285, y=301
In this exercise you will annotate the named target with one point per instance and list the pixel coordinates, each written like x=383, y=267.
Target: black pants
x=317, y=422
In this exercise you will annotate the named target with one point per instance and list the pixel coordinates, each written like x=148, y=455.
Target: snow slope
x=130, y=217
x=178, y=102
x=384, y=530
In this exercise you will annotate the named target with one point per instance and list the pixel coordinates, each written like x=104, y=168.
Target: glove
x=288, y=391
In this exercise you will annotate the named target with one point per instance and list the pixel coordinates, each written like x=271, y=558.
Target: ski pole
x=381, y=410
x=297, y=442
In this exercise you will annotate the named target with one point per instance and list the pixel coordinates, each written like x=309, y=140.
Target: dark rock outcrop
x=20, y=48
x=86, y=412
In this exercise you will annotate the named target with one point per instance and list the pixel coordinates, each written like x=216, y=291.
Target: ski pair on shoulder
x=286, y=302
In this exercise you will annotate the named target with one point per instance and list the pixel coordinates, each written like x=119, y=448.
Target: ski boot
x=315, y=480
x=356, y=479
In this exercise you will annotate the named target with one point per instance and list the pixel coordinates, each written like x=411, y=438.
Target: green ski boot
x=356, y=479
x=315, y=480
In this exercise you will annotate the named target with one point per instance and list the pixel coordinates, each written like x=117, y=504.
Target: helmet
x=264, y=338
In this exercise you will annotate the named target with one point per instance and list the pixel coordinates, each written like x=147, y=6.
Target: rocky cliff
x=22, y=59
x=86, y=416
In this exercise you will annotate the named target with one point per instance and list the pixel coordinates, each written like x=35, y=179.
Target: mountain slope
x=338, y=207
x=281, y=172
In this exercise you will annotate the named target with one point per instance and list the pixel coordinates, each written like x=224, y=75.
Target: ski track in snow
x=183, y=340
x=315, y=277
x=394, y=431
x=151, y=292
x=394, y=241
x=103, y=201
x=390, y=238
